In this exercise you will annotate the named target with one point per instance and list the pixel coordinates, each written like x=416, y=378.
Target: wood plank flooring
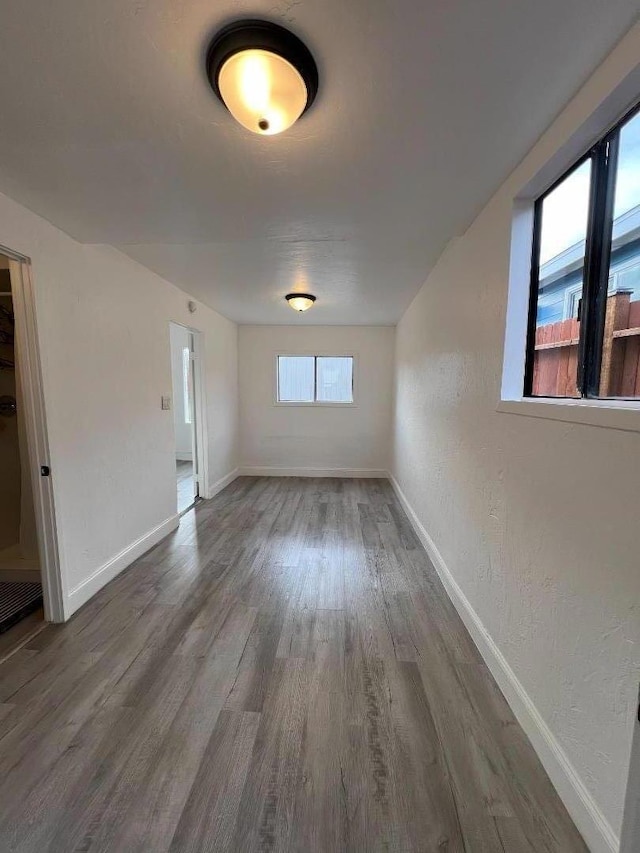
x=21, y=633
x=284, y=673
x=185, y=484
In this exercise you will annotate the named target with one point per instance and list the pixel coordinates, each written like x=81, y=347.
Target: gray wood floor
x=185, y=484
x=285, y=672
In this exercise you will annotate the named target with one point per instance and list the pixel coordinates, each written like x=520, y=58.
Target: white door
x=188, y=415
x=194, y=409
x=630, y=841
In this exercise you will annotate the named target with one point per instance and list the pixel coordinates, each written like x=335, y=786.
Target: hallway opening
x=186, y=410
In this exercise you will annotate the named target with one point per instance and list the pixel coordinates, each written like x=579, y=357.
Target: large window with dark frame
x=584, y=314
x=315, y=379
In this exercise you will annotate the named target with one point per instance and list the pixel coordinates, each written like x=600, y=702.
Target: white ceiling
x=110, y=131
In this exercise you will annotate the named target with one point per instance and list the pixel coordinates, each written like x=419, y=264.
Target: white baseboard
x=184, y=456
x=253, y=471
x=595, y=829
x=80, y=594
x=222, y=483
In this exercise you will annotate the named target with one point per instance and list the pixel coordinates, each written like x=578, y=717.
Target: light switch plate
x=166, y=403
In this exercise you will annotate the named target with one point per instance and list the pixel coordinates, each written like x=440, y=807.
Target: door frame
x=28, y=354
x=631, y=819
x=200, y=426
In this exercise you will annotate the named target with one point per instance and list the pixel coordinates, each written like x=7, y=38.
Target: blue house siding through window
x=560, y=285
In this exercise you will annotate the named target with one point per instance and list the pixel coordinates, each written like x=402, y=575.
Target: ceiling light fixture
x=300, y=301
x=263, y=74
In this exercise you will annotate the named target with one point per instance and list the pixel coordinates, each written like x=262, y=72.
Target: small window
x=584, y=318
x=315, y=379
x=296, y=382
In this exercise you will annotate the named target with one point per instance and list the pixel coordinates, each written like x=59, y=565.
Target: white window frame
x=570, y=303
x=569, y=308
x=316, y=354
x=613, y=278
x=611, y=414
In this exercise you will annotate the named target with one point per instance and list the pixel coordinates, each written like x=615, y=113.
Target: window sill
x=315, y=405
x=608, y=414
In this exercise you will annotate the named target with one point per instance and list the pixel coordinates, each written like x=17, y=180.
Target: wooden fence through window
x=555, y=366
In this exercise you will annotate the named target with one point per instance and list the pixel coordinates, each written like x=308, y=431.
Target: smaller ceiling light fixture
x=263, y=74
x=300, y=301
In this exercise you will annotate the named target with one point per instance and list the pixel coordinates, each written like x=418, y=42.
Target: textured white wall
x=103, y=324
x=324, y=437
x=536, y=520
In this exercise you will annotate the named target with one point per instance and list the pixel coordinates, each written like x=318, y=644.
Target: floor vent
x=17, y=600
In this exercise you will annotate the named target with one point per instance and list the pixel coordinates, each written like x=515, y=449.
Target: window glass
x=563, y=231
x=619, y=366
x=334, y=379
x=296, y=379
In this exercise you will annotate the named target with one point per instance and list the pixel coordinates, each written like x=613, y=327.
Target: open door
x=193, y=405
x=630, y=841
x=34, y=557
x=187, y=415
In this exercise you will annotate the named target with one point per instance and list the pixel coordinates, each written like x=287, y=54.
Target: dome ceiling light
x=263, y=74
x=300, y=301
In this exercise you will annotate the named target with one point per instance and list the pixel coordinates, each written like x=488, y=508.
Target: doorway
x=31, y=586
x=20, y=579
x=187, y=414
